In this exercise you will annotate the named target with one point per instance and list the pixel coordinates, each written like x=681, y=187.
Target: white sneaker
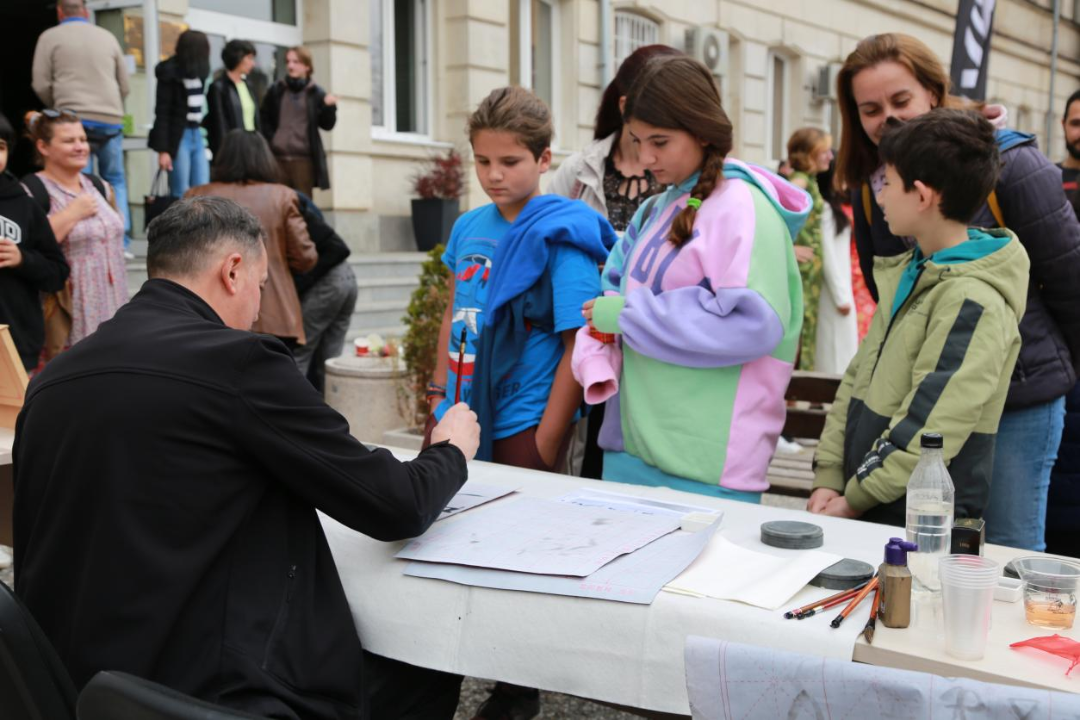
x=787, y=447
x=5, y=557
x=128, y=255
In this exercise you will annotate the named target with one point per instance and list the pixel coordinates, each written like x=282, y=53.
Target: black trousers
x=399, y=691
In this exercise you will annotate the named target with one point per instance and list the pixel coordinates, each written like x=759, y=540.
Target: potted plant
x=439, y=184
x=419, y=346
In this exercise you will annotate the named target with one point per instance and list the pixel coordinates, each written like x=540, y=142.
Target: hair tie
x=694, y=203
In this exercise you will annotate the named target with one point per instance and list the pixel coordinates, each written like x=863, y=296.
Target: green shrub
x=420, y=344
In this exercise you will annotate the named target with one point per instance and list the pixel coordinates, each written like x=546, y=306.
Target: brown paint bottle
x=895, y=579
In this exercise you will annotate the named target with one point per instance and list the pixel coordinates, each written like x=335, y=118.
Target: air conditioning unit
x=825, y=86
x=710, y=47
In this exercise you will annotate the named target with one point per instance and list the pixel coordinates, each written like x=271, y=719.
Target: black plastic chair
x=116, y=695
x=34, y=684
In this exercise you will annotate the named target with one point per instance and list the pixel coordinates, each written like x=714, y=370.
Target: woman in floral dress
x=88, y=228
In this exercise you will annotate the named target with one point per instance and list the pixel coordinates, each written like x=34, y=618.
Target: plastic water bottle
x=930, y=498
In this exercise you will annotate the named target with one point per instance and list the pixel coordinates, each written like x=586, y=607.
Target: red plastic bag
x=1055, y=645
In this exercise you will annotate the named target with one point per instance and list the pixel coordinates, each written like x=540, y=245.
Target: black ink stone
x=843, y=575
x=792, y=535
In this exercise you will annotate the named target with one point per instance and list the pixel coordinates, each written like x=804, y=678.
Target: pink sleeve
x=596, y=366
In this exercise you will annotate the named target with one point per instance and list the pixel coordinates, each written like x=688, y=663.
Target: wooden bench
x=809, y=394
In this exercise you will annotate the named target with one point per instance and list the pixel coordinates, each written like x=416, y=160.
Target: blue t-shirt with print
x=520, y=397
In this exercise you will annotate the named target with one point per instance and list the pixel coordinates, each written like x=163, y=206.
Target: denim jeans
x=107, y=149
x=190, y=166
x=1024, y=454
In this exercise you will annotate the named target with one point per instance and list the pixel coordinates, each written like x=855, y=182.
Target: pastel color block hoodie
x=708, y=332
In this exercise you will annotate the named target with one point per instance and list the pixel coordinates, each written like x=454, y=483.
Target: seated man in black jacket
x=186, y=549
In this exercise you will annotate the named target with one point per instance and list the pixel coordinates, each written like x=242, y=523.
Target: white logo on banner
x=981, y=13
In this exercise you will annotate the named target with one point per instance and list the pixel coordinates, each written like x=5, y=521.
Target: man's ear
x=230, y=272
x=928, y=196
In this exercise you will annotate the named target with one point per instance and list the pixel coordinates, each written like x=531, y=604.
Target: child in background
x=31, y=262
x=943, y=343
x=704, y=293
x=520, y=269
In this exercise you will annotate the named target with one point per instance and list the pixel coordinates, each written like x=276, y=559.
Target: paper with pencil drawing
x=539, y=536
x=727, y=571
x=634, y=578
x=471, y=495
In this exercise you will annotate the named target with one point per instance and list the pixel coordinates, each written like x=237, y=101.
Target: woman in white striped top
x=177, y=136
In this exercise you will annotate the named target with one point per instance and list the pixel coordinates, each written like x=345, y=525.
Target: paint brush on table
x=868, y=631
x=831, y=602
x=818, y=605
x=854, y=602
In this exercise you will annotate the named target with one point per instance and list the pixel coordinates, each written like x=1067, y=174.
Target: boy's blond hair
x=518, y=111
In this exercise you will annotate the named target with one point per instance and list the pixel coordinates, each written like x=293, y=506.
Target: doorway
x=23, y=22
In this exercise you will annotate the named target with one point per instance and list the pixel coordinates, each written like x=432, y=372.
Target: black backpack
x=41, y=195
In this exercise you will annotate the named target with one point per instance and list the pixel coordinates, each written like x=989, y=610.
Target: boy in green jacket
x=945, y=337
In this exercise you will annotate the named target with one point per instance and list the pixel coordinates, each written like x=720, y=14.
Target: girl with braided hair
x=694, y=341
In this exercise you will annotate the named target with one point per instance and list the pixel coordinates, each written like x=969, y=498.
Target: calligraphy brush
x=854, y=603
x=830, y=602
x=460, y=362
x=868, y=631
x=818, y=603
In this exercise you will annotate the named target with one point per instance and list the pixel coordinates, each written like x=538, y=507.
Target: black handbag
x=159, y=199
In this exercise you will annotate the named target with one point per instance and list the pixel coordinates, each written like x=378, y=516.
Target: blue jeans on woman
x=1024, y=454
x=190, y=166
x=107, y=148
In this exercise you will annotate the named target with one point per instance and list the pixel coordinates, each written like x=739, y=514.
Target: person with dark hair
x=837, y=336
x=946, y=335
x=245, y=171
x=607, y=174
x=610, y=178
x=178, y=114
x=293, y=112
x=195, y=557
x=1070, y=166
x=30, y=260
x=85, y=221
x=230, y=100
x=897, y=76
x=693, y=343
x=80, y=67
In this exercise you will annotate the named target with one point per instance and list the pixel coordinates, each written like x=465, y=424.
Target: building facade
x=408, y=72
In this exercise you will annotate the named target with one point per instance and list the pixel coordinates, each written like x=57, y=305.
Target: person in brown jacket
x=246, y=172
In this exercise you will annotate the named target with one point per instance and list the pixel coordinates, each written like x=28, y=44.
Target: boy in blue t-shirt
x=520, y=253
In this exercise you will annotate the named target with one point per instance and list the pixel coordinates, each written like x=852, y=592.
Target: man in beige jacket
x=79, y=66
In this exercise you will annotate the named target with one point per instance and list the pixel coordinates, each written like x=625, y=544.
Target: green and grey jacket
x=937, y=358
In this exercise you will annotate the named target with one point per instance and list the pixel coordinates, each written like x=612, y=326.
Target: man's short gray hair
x=193, y=231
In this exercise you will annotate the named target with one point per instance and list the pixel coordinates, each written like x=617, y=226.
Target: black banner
x=971, y=48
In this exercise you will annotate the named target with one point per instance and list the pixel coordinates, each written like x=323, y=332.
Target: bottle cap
x=932, y=440
x=896, y=550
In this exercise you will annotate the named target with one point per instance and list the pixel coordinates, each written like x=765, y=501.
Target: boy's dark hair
x=235, y=51
x=518, y=111
x=952, y=151
x=7, y=133
x=245, y=156
x=183, y=238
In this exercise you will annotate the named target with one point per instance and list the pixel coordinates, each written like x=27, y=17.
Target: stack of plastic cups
x=967, y=595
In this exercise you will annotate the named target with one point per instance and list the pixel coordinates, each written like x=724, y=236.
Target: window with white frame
x=400, y=68
x=535, y=64
x=633, y=31
x=778, y=97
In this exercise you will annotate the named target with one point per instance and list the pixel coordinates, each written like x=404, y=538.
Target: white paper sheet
x=587, y=497
x=471, y=495
x=634, y=578
x=539, y=536
x=726, y=571
x=733, y=681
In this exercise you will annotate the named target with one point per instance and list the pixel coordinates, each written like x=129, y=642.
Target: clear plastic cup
x=967, y=598
x=1050, y=585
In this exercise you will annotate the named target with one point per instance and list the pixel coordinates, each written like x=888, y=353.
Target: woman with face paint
x=893, y=78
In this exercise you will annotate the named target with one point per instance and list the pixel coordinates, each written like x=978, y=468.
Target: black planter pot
x=432, y=220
